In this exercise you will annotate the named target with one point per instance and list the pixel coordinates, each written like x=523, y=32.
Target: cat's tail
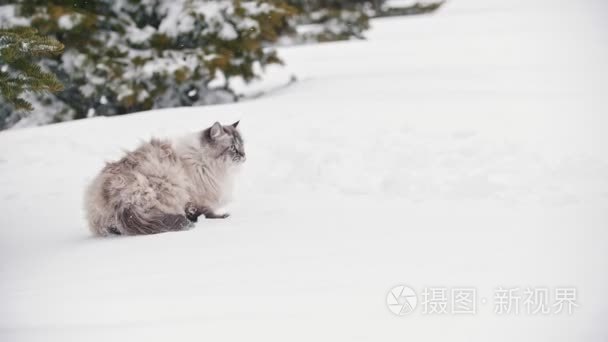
x=134, y=222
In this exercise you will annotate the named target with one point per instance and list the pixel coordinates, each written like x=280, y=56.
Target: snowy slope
x=463, y=149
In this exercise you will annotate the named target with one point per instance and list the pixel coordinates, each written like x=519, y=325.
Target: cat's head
x=225, y=143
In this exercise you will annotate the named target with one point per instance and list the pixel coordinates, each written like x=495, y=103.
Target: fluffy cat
x=166, y=185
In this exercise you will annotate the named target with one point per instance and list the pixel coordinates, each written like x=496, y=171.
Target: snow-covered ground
x=464, y=149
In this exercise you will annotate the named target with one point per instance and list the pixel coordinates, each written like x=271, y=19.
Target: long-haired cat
x=166, y=185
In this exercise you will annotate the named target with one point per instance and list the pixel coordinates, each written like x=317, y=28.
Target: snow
x=124, y=91
x=174, y=21
x=87, y=89
x=467, y=148
x=257, y=8
x=67, y=22
x=73, y=60
x=140, y=35
x=227, y=32
x=168, y=61
x=407, y=3
x=248, y=24
x=9, y=19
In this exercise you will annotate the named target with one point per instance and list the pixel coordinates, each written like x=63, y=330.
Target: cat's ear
x=236, y=124
x=216, y=130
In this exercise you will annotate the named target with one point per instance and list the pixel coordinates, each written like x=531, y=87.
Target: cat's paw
x=192, y=213
x=192, y=217
x=217, y=216
x=189, y=225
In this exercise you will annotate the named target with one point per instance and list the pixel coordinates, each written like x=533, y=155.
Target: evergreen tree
x=19, y=73
x=333, y=19
x=123, y=56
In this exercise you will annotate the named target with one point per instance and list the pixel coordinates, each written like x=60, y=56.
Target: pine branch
x=19, y=47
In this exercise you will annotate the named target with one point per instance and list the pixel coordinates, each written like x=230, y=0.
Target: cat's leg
x=210, y=214
x=192, y=212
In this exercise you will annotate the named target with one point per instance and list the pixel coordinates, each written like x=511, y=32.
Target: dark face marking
x=227, y=144
x=237, y=148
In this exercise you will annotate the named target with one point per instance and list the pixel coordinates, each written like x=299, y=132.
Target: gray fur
x=165, y=185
